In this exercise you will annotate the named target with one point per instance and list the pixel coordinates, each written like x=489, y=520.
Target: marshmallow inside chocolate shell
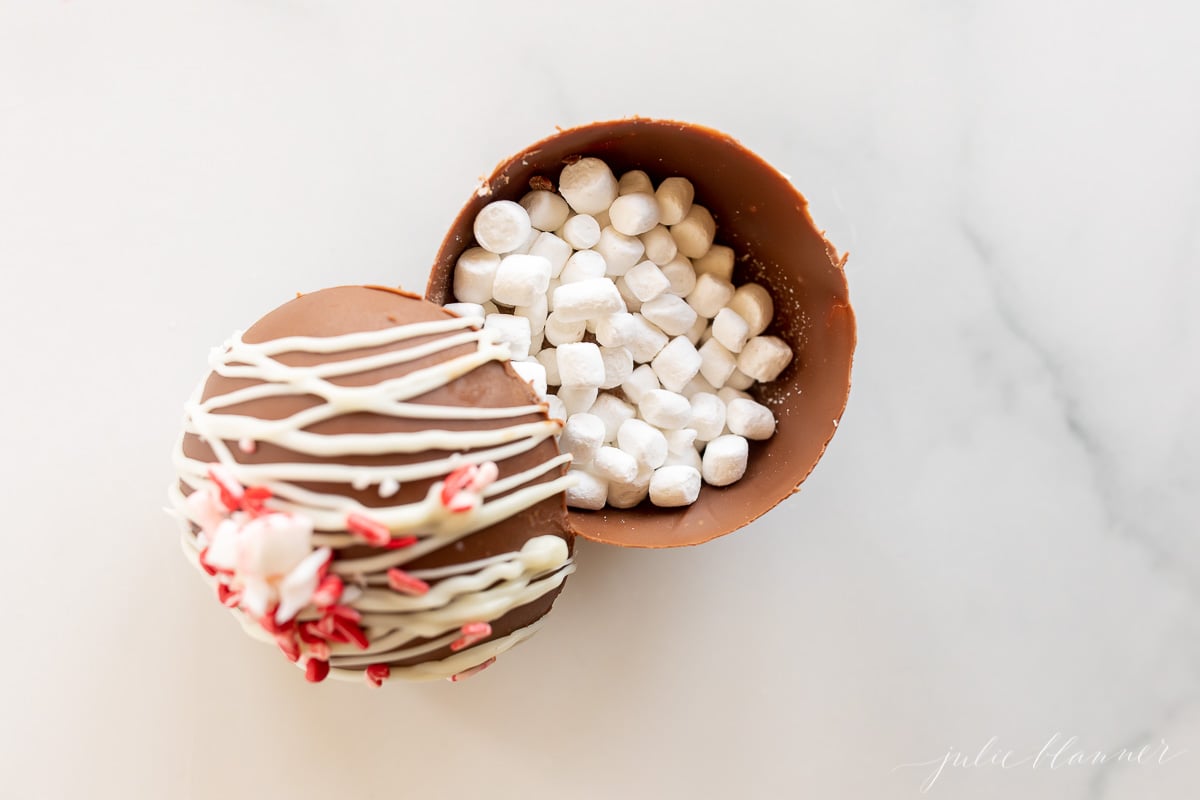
x=341, y=464
x=766, y=221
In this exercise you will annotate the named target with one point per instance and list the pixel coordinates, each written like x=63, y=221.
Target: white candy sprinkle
x=615, y=465
x=634, y=214
x=547, y=210
x=589, y=492
x=580, y=364
x=750, y=419
x=664, y=409
x=675, y=486
x=676, y=364
x=694, y=233
x=474, y=275
x=588, y=186
x=520, y=279
x=674, y=197
x=764, y=357
x=581, y=231
x=502, y=227
x=724, y=460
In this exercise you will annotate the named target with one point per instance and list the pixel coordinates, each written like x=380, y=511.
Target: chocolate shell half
x=766, y=221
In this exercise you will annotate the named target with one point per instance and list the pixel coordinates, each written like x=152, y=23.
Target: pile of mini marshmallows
x=612, y=284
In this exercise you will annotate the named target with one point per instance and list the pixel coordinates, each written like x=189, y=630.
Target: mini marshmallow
x=660, y=247
x=764, y=357
x=697, y=384
x=510, y=330
x=587, y=299
x=466, y=310
x=536, y=341
x=729, y=394
x=634, y=214
x=686, y=458
x=681, y=275
x=490, y=307
x=581, y=231
x=550, y=287
x=632, y=303
x=555, y=408
x=589, y=491
x=640, y=382
x=628, y=495
x=739, y=380
x=667, y=410
x=582, y=266
x=547, y=210
x=533, y=373
x=634, y=181
x=618, y=366
x=676, y=364
x=616, y=330
x=524, y=247
x=731, y=330
x=648, y=340
x=699, y=332
x=670, y=313
x=644, y=442
x=718, y=262
x=588, y=185
x=710, y=295
x=681, y=440
x=708, y=416
x=724, y=460
x=619, y=250
x=520, y=279
x=646, y=281
x=580, y=364
x=753, y=303
x=674, y=197
x=474, y=275
x=553, y=249
x=614, y=465
x=582, y=437
x=693, y=234
x=675, y=486
x=602, y=219
x=716, y=362
x=535, y=312
x=749, y=419
x=577, y=399
x=502, y=226
x=548, y=358
x=560, y=332
x=613, y=411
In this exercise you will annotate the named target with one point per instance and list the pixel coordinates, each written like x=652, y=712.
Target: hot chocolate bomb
x=765, y=220
x=371, y=487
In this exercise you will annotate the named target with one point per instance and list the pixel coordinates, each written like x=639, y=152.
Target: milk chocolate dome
x=370, y=486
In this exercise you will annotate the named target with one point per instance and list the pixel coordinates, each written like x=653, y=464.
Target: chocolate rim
x=765, y=219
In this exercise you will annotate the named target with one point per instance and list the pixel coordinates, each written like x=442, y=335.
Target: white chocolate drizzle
x=397, y=626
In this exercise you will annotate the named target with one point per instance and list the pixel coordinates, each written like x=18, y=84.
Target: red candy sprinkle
x=204, y=565
x=230, y=490
x=288, y=644
x=401, y=542
x=228, y=597
x=404, y=583
x=328, y=592
x=254, y=499
x=378, y=673
x=316, y=670
x=319, y=650
x=472, y=632
x=371, y=531
x=467, y=673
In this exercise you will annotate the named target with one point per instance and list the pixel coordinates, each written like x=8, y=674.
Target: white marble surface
x=1001, y=542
